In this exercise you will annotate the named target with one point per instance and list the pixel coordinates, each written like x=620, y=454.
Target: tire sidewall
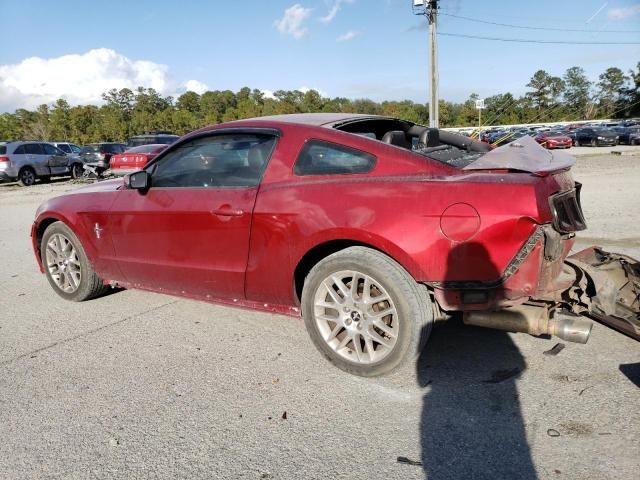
x=410, y=327
x=85, y=267
x=32, y=179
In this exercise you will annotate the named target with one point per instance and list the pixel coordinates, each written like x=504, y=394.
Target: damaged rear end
x=544, y=290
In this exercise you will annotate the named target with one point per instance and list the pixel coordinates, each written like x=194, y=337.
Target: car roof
x=318, y=119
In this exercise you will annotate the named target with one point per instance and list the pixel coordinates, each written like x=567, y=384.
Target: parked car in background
x=595, y=136
x=29, y=161
x=155, y=138
x=134, y=158
x=68, y=148
x=337, y=218
x=101, y=152
x=624, y=134
x=551, y=140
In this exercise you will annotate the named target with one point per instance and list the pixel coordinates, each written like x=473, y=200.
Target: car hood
x=525, y=155
x=104, y=186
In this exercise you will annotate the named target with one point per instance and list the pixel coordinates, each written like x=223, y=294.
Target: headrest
x=396, y=137
x=430, y=137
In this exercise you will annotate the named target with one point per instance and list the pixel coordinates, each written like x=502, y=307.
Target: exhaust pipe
x=534, y=321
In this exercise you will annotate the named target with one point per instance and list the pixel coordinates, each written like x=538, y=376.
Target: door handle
x=228, y=211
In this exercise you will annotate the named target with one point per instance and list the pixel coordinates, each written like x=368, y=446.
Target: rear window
x=112, y=148
x=145, y=149
x=3, y=149
x=323, y=158
x=90, y=149
x=151, y=139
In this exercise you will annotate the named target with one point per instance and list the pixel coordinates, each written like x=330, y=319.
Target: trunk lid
x=524, y=155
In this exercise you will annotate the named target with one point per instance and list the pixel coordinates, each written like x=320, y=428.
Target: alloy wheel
x=63, y=263
x=356, y=317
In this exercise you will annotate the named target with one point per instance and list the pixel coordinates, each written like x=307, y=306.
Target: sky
x=375, y=49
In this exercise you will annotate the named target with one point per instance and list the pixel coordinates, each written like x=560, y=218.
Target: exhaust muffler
x=534, y=321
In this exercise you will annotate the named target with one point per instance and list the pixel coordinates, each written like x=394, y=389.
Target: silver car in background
x=26, y=162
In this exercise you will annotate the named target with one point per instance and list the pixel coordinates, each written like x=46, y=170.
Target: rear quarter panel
x=396, y=209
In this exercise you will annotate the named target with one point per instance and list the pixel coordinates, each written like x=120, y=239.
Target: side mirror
x=139, y=180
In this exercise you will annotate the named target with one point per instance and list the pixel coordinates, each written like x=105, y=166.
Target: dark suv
x=163, y=138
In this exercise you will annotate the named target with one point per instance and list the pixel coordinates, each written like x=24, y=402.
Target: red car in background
x=134, y=158
x=551, y=140
x=370, y=228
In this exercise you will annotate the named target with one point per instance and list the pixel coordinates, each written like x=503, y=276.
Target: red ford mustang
x=371, y=228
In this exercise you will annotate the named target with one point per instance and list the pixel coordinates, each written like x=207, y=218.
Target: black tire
x=410, y=299
x=77, y=170
x=576, y=143
x=594, y=142
x=90, y=285
x=26, y=177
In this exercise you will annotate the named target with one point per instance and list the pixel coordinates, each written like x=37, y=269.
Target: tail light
x=4, y=159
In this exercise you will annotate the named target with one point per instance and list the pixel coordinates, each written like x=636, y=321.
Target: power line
x=520, y=40
x=477, y=20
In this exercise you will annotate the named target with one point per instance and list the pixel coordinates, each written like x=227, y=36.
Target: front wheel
x=66, y=265
x=365, y=313
x=27, y=177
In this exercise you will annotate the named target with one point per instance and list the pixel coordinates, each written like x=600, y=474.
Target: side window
x=324, y=158
x=51, y=150
x=33, y=149
x=65, y=148
x=20, y=150
x=75, y=149
x=216, y=161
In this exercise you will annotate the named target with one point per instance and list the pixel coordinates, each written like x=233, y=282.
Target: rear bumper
x=121, y=172
x=536, y=270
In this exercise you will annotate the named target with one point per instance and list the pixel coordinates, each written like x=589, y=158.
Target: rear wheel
x=365, y=313
x=26, y=177
x=66, y=265
x=594, y=143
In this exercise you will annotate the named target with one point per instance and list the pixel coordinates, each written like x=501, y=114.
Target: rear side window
x=51, y=150
x=324, y=158
x=33, y=149
x=3, y=149
x=20, y=150
x=64, y=147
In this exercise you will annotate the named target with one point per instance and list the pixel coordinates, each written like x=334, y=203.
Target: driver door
x=189, y=233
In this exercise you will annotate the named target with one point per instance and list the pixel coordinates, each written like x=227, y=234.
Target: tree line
x=126, y=112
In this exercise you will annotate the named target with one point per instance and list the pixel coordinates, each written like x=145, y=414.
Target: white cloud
x=306, y=89
x=292, y=21
x=347, y=36
x=79, y=78
x=268, y=94
x=195, y=86
x=333, y=11
x=623, y=13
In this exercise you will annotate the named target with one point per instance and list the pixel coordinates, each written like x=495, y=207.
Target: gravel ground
x=140, y=385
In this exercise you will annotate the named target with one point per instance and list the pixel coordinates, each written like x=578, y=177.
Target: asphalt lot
x=140, y=385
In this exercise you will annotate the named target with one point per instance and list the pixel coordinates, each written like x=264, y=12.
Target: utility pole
x=429, y=9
